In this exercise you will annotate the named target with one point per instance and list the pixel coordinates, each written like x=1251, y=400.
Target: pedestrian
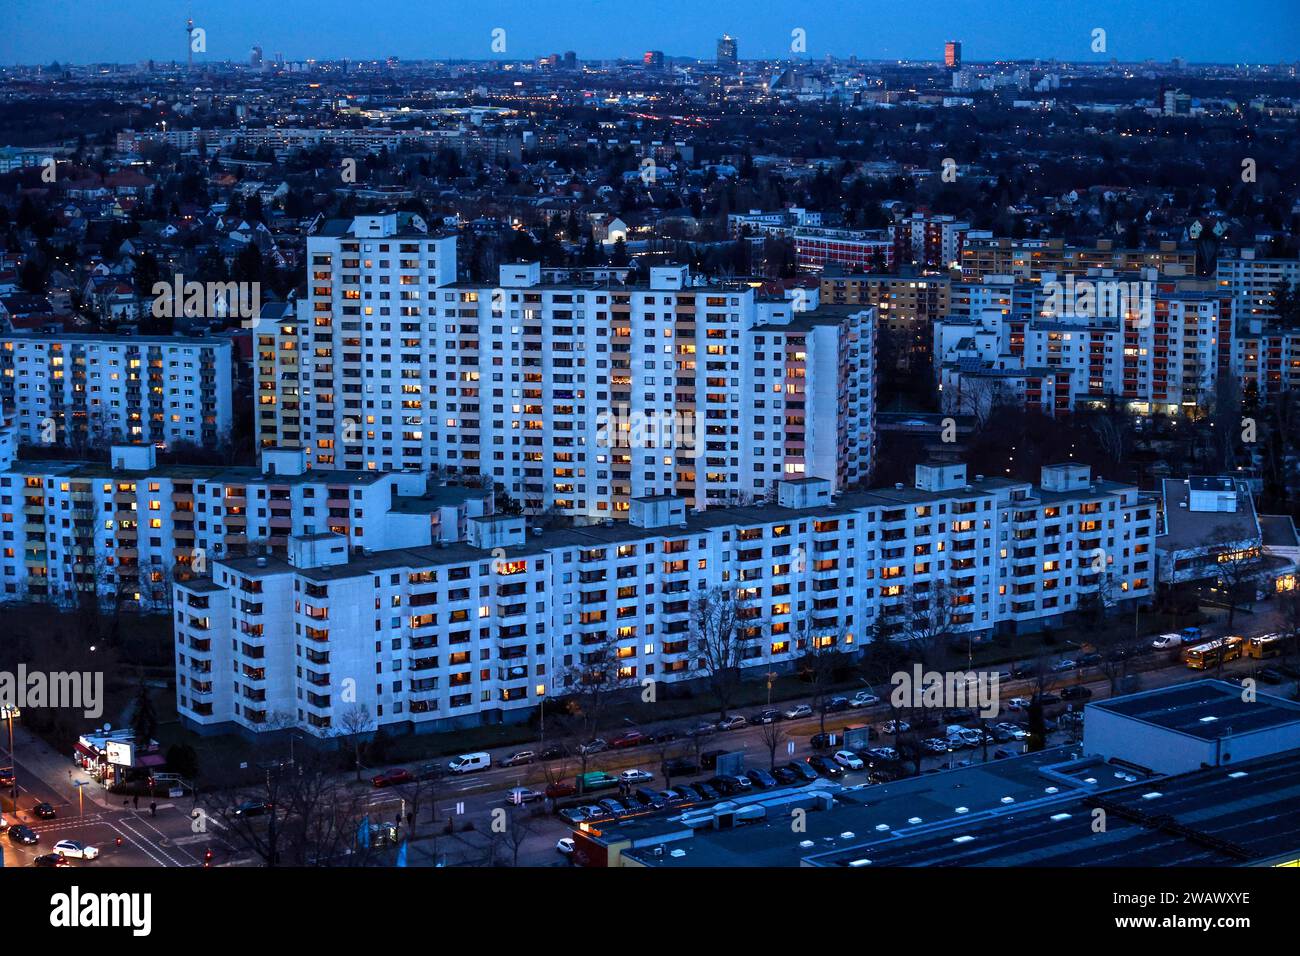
x=136, y=799
x=153, y=809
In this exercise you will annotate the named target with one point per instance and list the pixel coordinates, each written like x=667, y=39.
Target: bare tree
x=723, y=629
x=823, y=659
x=354, y=722
x=592, y=684
x=773, y=736
x=1236, y=567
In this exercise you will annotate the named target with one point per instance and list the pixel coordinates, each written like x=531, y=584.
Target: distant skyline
x=127, y=31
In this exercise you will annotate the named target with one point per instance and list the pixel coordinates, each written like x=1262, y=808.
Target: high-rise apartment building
x=728, y=54
x=575, y=397
x=952, y=54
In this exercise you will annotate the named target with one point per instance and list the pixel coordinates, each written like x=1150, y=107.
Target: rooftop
x=1205, y=709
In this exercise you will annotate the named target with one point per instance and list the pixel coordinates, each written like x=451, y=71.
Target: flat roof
x=1234, y=815
x=1204, y=709
x=1186, y=529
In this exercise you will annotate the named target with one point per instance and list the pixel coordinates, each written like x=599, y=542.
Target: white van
x=468, y=763
x=1166, y=641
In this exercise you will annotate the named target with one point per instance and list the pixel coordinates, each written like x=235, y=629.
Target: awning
x=87, y=752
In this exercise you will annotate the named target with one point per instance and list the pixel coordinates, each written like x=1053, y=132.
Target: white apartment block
x=1252, y=281
x=77, y=389
x=1163, y=356
x=574, y=397
x=127, y=528
x=437, y=638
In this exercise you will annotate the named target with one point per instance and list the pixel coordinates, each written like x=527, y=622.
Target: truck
x=596, y=780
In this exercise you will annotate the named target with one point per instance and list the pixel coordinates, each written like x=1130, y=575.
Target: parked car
x=836, y=705
x=1077, y=692
x=734, y=722
x=678, y=767
x=895, y=727
x=630, y=738
x=564, y=846
x=572, y=815
x=649, y=798
x=560, y=788
x=635, y=776
x=797, y=711
x=593, y=811
x=706, y=791
x=390, y=778
x=253, y=808
x=519, y=758
x=864, y=698
x=825, y=765
x=554, y=752
x=1064, y=664
x=665, y=735
x=615, y=808
x=761, y=778
x=1091, y=659
x=430, y=771
x=688, y=793
x=935, y=745
x=1013, y=731
x=883, y=754
x=521, y=795
x=672, y=796
x=598, y=745
x=822, y=741
x=1167, y=641
x=848, y=760
x=802, y=772
x=702, y=730
x=766, y=717
x=1047, y=697
x=1002, y=753
x=1018, y=703
x=50, y=859
x=784, y=775
x=22, y=833
x=44, y=810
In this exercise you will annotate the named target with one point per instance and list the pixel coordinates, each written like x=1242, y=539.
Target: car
x=1077, y=692
x=253, y=808
x=1014, y=731
x=825, y=766
x=863, y=698
x=558, y=789
x=688, y=793
x=430, y=771
x=801, y=771
x=761, y=778
x=615, y=808
x=822, y=741
x=564, y=846
x=521, y=795
x=935, y=745
x=44, y=810
x=702, y=730
x=519, y=758
x=895, y=727
x=635, y=776
x=848, y=760
x=50, y=859
x=1270, y=675
x=670, y=797
x=706, y=791
x=1002, y=754
x=572, y=815
x=784, y=775
x=1018, y=703
x=630, y=738
x=665, y=735
x=1001, y=735
x=649, y=798
x=836, y=705
x=734, y=722
x=1047, y=697
x=974, y=737
x=766, y=717
x=22, y=833
x=884, y=754
x=598, y=745
x=798, y=711
x=679, y=767
x=709, y=758
x=7, y=777
x=554, y=752
x=390, y=778
x=76, y=850
x=1091, y=659
x=734, y=783
x=1064, y=664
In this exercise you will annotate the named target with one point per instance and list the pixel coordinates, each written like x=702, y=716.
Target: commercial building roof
x=1205, y=709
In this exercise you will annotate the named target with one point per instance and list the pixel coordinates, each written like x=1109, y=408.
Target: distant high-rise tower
x=255, y=58
x=189, y=43
x=952, y=54
x=653, y=59
x=728, y=58
x=570, y=61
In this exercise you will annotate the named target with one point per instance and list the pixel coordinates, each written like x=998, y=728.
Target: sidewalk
x=57, y=771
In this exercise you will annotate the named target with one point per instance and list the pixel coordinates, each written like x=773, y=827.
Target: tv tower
x=189, y=44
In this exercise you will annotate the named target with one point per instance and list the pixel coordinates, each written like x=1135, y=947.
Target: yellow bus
x=1210, y=653
x=1265, y=645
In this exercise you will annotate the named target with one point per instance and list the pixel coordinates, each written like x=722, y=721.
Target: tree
x=592, y=682
x=1236, y=564
x=822, y=661
x=144, y=720
x=722, y=629
x=354, y=722
x=773, y=735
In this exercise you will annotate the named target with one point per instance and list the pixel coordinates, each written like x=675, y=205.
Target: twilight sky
x=1225, y=31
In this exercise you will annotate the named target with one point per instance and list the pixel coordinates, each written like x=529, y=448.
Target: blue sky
x=1257, y=31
